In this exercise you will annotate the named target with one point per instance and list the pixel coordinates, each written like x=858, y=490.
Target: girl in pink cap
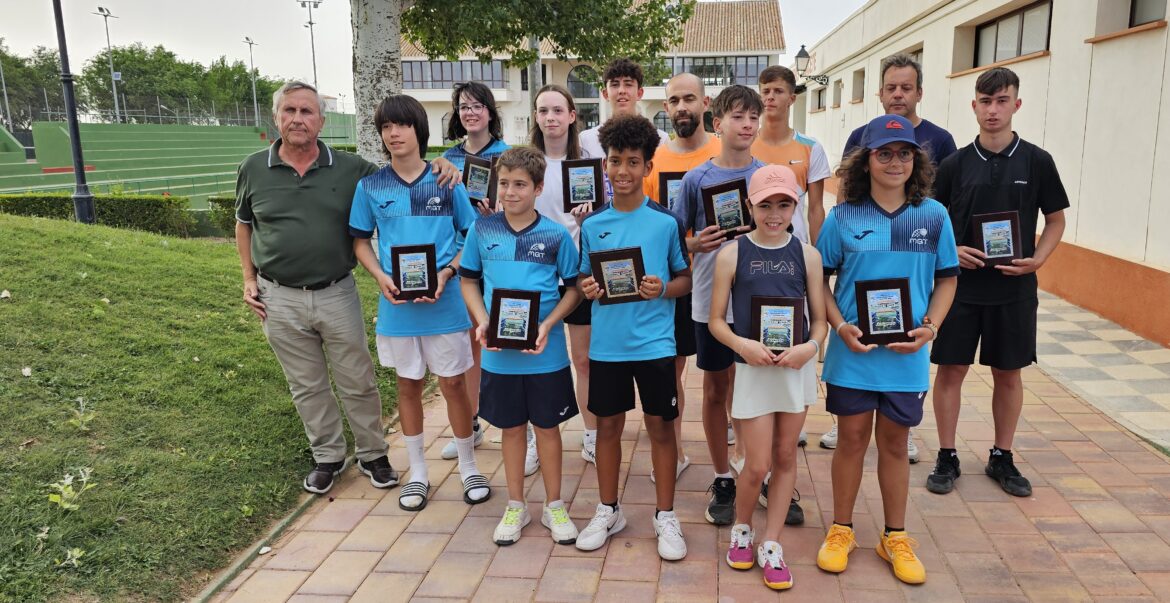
x=773, y=282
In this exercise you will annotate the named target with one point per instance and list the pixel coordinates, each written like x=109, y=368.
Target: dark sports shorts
x=1005, y=335
x=684, y=327
x=582, y=314
x=713, y=355
x=611, y=387
x=903, y=408
x=544, y=399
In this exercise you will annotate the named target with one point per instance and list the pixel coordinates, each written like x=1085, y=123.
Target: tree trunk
x=535, y=82
x=377, y=65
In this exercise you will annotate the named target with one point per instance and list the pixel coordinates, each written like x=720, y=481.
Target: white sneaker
x=589, y=453
x=682, y=465
x=556, y=518
x=531, y=460
x=829, y=440
x=508, y=530
x=605, y=523
x=671, y=545
x=911, y=448
x=736, y=464
x=451, y=452
x=730, y=434
x=802, y=441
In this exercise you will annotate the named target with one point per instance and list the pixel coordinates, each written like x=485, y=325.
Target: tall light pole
x=252, y=64
x=105, y=14
x=311, y=4
x=4, y=85
x=82, y=198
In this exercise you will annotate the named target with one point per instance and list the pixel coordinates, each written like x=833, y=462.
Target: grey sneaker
x=451, y=452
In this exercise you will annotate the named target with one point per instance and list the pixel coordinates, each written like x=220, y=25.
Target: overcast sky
x=203, y=30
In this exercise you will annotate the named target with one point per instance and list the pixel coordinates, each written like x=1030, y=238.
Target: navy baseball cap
x=883, y=130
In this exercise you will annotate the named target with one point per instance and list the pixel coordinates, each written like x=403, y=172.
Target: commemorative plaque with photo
x=479, y=176
x=777, y=322
x=997, y=235
x=725, y=205
x=581, y=183
x=883, y=310
x=414, y=271
x=669, y=187
x=619, y=272
x=514, y=320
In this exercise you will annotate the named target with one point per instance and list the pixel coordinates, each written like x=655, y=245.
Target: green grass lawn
x=191, y=441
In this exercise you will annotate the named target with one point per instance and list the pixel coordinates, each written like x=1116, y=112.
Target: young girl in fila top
x=772, y=390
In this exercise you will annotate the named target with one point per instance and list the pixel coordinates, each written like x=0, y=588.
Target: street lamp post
x=311, y=4
x=7, y=110
x=252, y=64
x=82, y=198
x=105, y=14
x=802, y=60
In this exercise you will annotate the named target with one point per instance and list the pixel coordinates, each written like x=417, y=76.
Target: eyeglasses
x=476, y=108
x=886, y=156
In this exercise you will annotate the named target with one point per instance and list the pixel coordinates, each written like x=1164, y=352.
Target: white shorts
x=446, y=355
x=760, y=390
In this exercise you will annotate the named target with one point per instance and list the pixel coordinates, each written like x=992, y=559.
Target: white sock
x=555, y=504
x=590, y=437
x=723, y=475
x=516, y=504
x=531, y=435
x=467, y=466
x=418, y=464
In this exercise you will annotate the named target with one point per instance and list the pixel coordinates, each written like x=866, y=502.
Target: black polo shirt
x=1020, y=178
x=300, y=224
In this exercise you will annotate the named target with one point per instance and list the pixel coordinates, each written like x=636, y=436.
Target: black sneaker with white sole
x=1001, y=468
x=946, y=471
x=320, y=479
x=381, y=474
x=721, y=508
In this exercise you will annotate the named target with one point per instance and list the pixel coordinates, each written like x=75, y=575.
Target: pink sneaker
x=777, y=576
x=740, y=554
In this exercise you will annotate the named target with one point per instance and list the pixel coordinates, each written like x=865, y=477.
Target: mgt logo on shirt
x=434, y=204
x=918, y=237
x=537, y=250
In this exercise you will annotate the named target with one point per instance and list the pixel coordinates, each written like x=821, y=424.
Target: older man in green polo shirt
x=292, y=211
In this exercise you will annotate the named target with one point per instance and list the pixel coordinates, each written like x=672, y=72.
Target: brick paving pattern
x=1097, y=527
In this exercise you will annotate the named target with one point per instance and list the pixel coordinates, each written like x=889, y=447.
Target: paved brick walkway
x=1096, y=527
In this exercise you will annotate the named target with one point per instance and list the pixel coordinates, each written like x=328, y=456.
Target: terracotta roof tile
x=723, y=26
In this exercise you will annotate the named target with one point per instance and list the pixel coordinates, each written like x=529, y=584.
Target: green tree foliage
x=588, y=32
x=29, y=81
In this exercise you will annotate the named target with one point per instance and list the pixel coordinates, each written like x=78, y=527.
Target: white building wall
x=1101, y=109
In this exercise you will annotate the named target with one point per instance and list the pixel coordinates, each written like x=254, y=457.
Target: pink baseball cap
x=773, y=180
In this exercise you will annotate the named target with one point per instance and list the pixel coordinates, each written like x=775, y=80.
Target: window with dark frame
x=1146, y=11
x=580, y=83
x=424, y=75
x=524, y=76
x=720, y=71
x=662, y=122
x=1015, y=34
x=819, y=99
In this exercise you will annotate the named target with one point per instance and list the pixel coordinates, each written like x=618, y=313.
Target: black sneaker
x=721, y=509
x=1002, y=468
x=764, y=494
x=320, y=479
x=381, y=474
x=946, y=470
x=795, y=515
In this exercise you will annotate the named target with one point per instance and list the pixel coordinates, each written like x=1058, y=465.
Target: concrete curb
x=246, y=558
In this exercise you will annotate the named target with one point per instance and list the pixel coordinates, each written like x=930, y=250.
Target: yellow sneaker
x=898, y=549
x=834, y=553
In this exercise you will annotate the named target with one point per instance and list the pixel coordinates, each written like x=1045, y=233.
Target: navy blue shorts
x=611, y=387
x=712, y=354
x=903, y=408
x=582, y=314
x=684, y=327
x=544, y=399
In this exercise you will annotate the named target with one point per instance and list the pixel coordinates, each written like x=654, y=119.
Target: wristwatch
x=454, y=270
x=928, y=323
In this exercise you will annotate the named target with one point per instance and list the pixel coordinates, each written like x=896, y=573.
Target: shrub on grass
x=222, y=211
x=352, y=148
x=164, y=214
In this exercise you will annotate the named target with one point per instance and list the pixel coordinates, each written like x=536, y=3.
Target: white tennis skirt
x=760, y=390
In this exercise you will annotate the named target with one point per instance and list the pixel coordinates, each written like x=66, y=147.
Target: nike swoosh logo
x=864, y=233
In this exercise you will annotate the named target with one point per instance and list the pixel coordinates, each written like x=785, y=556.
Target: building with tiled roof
x=724, y=42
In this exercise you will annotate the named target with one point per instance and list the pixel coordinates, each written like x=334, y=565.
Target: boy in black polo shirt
x=995, y=306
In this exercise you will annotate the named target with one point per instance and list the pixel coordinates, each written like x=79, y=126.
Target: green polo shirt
x=300, y=224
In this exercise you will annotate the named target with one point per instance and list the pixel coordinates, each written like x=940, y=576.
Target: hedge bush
x=163, y=214
x=222, y=212
x=352, y=148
